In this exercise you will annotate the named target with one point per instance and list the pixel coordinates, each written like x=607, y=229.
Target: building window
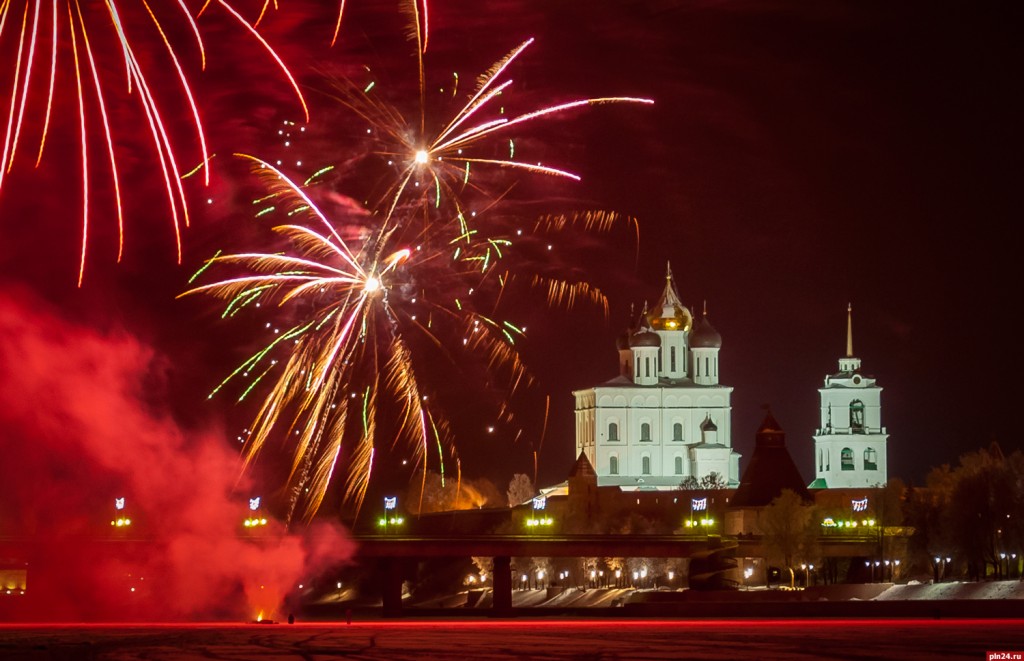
x=613, y=431
x=672, y=358
x=645, y=431
x=857, y=416
x=679, y=465
x=645, y=465
x=613, y=465
x=870, y=460
x=707, y=372
x=677, y=431
x=846, y=459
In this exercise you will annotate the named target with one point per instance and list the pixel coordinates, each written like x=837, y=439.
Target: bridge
x=391, y=550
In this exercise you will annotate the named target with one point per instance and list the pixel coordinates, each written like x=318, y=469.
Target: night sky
x=799, y=156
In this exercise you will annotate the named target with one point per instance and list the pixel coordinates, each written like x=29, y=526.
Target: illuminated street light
x=122, y=519
x=390, y=504
x=255, y=519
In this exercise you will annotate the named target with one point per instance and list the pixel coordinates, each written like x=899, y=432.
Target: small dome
x=704, y=335
x=708, y=424
x=644, y=338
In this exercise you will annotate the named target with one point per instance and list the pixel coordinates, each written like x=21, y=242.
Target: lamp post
x=122, y=518
x=390, y=504
x=807, y=574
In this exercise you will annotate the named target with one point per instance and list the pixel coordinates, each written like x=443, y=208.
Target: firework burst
x=432, y=164
x=372, y=290
x=344, y=376
x=35, y=39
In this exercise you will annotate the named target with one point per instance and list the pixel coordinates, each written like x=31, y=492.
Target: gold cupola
x=669, y=314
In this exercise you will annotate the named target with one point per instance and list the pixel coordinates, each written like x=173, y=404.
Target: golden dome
x=669, y=314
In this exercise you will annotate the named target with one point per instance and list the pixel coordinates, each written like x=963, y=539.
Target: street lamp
x=807, y=574
x=255, y=519
x=122, y=519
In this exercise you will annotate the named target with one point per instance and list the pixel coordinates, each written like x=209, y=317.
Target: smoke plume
x=80, y=426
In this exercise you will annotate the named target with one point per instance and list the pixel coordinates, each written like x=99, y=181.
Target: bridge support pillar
x=391, y=587
x=502, y=582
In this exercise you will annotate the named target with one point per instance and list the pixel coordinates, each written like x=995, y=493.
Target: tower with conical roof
x=665, y=417
x=850, y=442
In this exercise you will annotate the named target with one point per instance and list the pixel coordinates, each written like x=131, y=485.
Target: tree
x=430, y=494
x=713, y=480
x=983, y=513
x=520, y=489
x=790, y=532
x=689, y=483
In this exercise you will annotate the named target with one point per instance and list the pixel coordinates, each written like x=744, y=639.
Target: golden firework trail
x=413, y=270
x=33, y=36
x=343, y=376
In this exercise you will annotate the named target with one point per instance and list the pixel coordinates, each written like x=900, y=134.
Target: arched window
x=870, y=460
x=846, y=459
x=645, y=431
x=679, y=465
x=613, y=465
x=856, y=416
x=672, y=358
x=613, y=431
x=677, y=431
x=645, y=465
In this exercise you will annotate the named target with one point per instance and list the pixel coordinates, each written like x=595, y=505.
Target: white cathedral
x=850, y=442
x=665, y=417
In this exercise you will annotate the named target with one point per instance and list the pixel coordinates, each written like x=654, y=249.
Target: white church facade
x=850, y=442
x=665, y=418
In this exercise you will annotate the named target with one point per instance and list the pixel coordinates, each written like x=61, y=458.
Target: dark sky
x=798, y=156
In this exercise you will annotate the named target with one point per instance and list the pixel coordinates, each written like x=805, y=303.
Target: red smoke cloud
x=81, y=425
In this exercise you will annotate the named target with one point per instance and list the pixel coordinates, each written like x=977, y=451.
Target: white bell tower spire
x=850, y=442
